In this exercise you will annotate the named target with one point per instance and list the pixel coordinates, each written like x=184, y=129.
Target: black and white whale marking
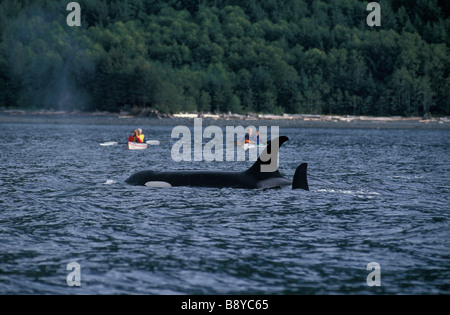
x=253, y=178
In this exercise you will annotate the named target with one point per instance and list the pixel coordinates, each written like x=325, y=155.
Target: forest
x=220, y=56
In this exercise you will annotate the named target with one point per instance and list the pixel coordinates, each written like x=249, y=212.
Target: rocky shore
x=284, y=121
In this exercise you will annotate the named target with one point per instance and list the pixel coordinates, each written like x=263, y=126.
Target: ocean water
x=376, y=196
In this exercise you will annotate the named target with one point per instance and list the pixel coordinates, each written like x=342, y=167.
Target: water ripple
x=375, y=196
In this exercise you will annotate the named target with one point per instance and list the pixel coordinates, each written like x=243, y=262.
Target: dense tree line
x=271, y=56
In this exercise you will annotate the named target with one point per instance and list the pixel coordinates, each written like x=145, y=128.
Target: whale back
x=263, y=174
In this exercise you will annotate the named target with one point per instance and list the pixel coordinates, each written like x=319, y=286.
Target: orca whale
x=253, y=178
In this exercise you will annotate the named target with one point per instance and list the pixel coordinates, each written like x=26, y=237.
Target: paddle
x=109, y=144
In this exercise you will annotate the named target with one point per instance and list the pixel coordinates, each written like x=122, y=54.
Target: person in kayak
x=140, y=137
x=137, y=136
x=132, y=138
x=249, y=137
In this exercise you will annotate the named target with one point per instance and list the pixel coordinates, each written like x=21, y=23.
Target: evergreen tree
x=284, y=56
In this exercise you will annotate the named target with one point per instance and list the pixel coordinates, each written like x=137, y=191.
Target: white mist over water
x=49, y=60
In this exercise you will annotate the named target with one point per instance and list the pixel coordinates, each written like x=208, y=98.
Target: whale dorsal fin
x=300, y=178
x=267, y=164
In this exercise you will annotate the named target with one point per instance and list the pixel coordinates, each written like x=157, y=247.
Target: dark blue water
x=376, y=196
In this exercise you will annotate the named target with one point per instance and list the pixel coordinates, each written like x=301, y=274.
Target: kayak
x=137, y=146
x=113, y=143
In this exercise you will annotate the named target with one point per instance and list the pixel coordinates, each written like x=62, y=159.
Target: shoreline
x=283, y=121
